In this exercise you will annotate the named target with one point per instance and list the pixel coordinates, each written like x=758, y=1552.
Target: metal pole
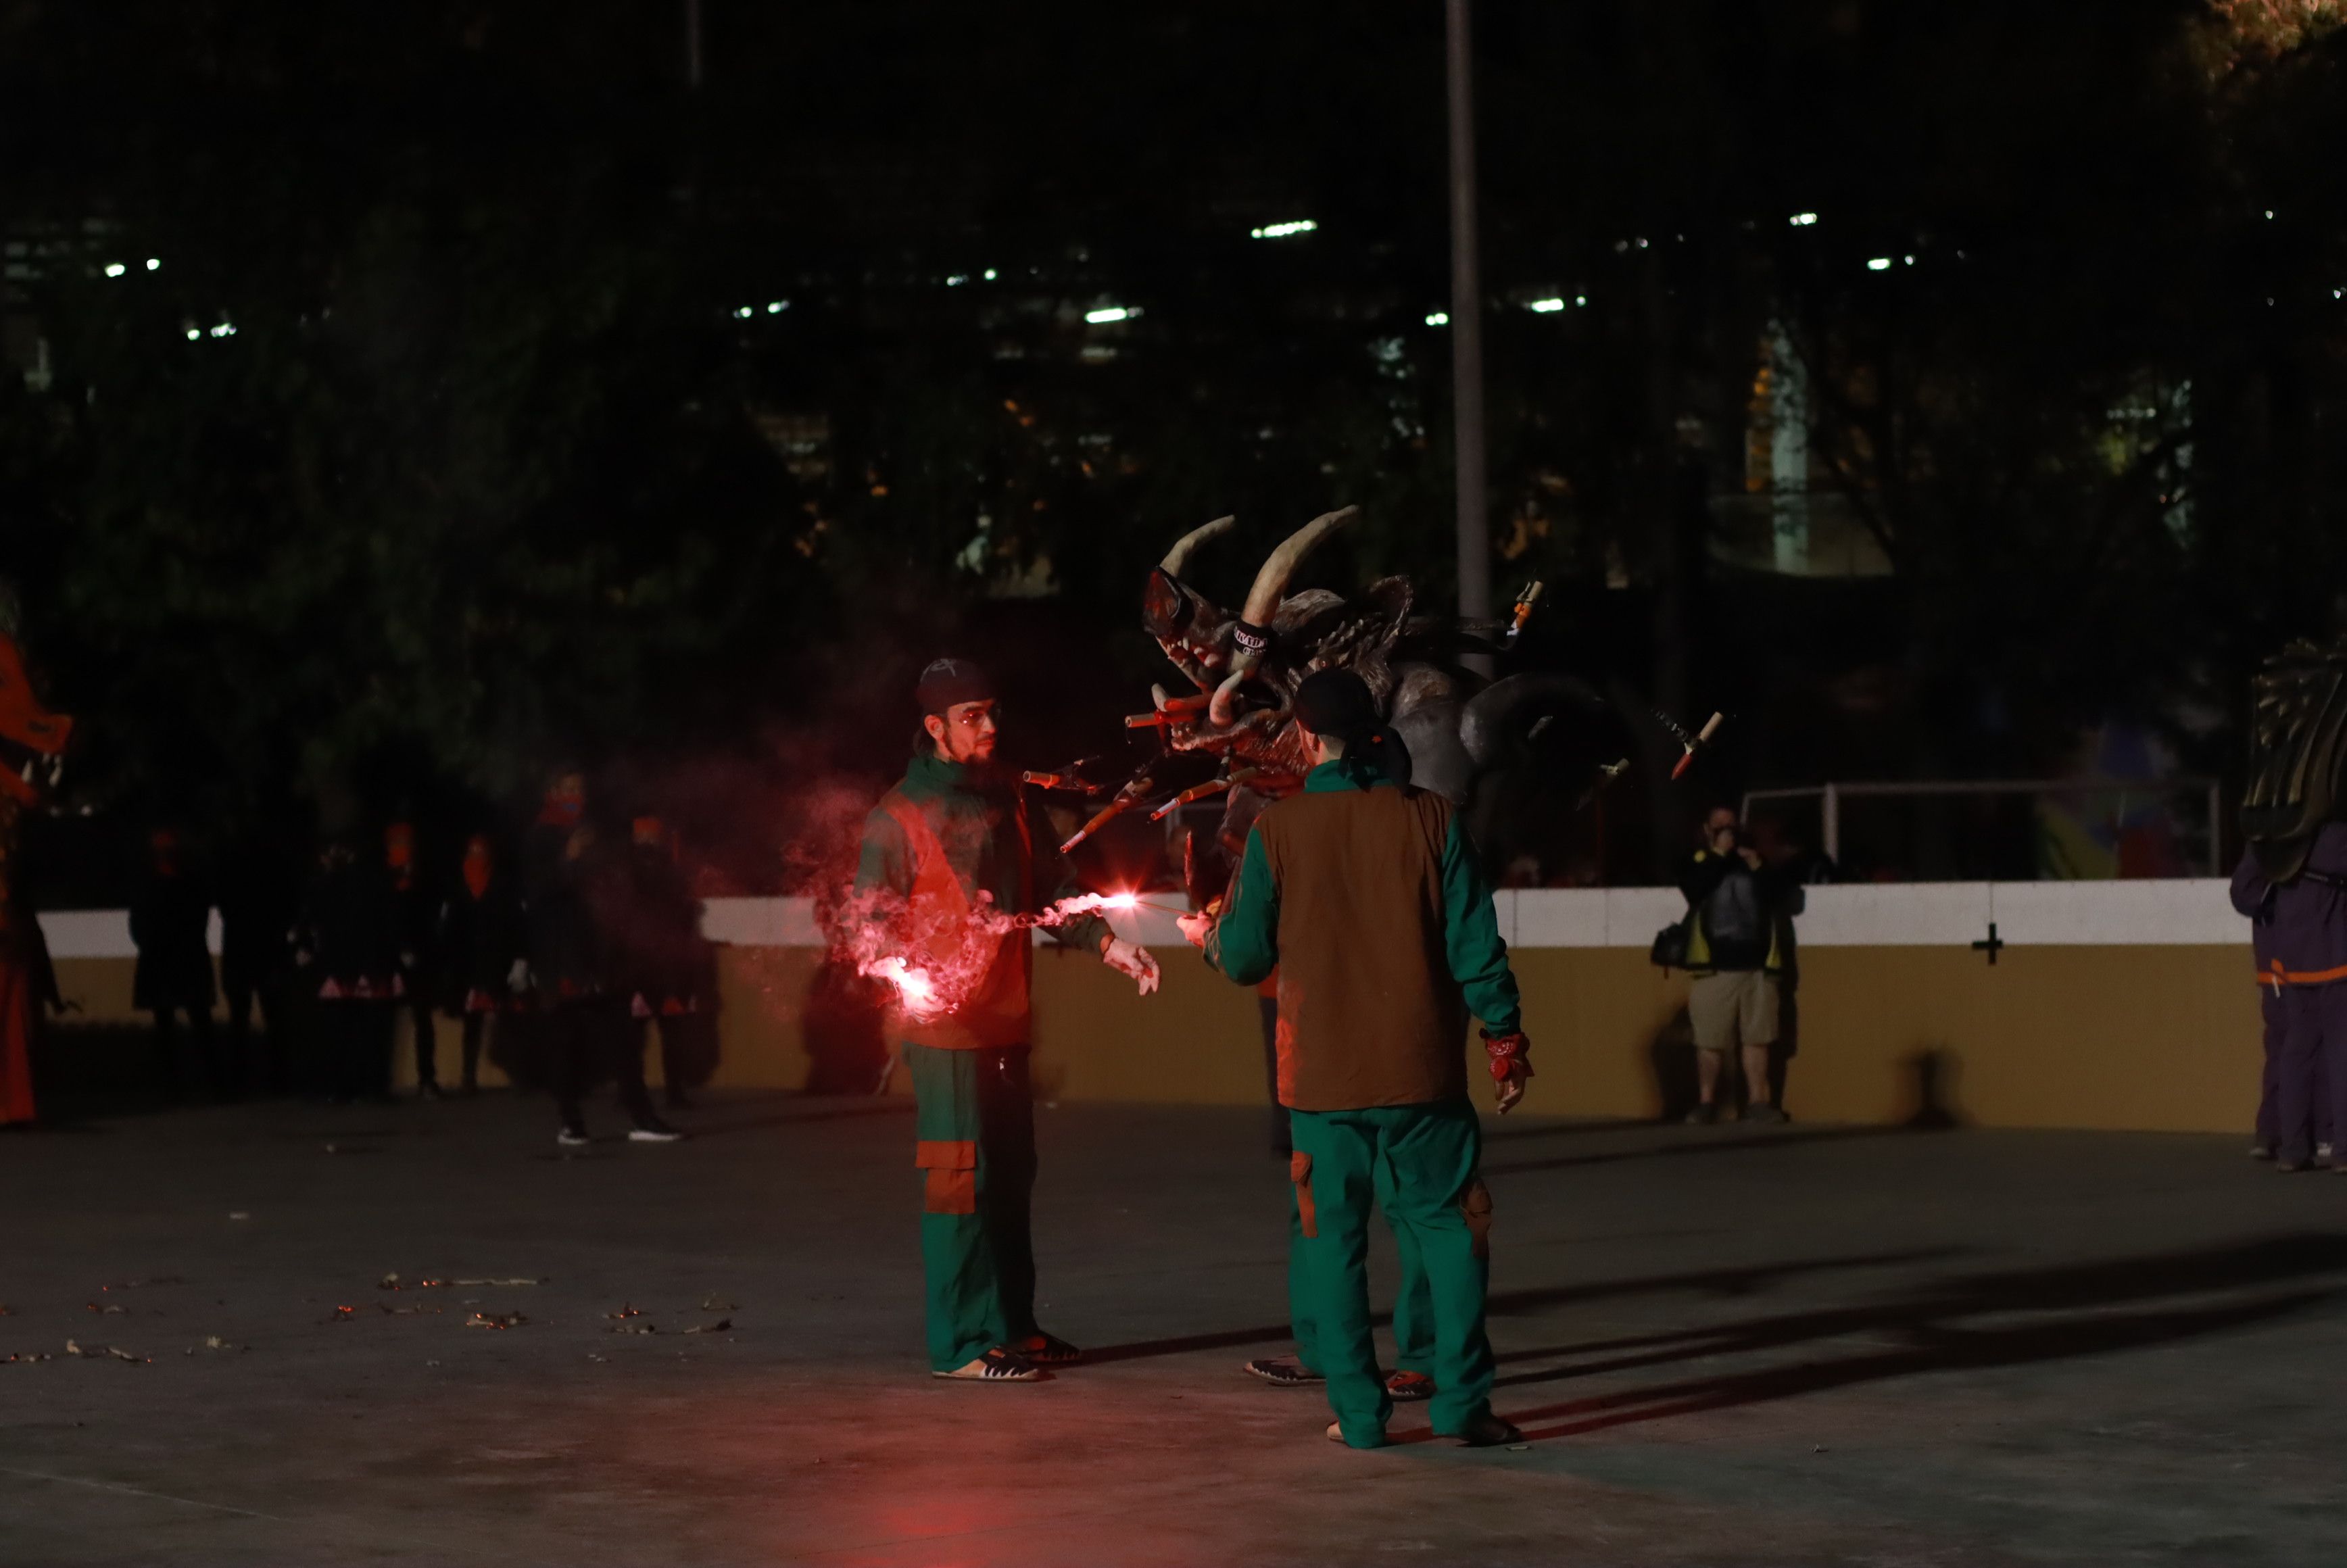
x=1467, y=330
x=692, y=44
x=1833, y=824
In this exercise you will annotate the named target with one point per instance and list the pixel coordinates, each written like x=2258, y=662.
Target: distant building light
x=777, y=307
x=225, y=329
x=744, y=314
x=115, y=269
x=1879, y=264
x=194, y=332
x=1910, y=260
x=1107, y=313
x=2269, y=214
x=1639, y=243
x=957, y=280
x=1282, y=231
x=154, y=263
x=1804, y=219
x=988, y=274
x=1438, y=318
x=1581, y=299
x=1545, y=307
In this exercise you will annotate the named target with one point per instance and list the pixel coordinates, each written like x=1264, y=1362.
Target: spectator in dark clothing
x=665, y=970
x=258, y=897
x=1741, y=912
x=346, y=949
x=413, y=912
x=479, y=948
x=2299, y=933
x=168, y=923
x=581, y=1025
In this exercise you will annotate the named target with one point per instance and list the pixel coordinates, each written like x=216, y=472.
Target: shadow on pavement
x=1720, y=1281
x=1931, y=1318
x=1698, y=1142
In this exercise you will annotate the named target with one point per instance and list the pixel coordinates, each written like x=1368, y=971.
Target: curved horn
x=1179, y=556
x=1271, y=582
x=1487, y=724
x=1262, y=603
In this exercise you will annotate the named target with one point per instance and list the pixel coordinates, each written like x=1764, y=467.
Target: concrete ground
x=1809, y=1345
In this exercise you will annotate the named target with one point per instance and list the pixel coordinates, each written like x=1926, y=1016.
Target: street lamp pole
x=1467, y=330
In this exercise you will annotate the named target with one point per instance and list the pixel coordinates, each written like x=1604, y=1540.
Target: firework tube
x=1702, y=738
x=1523, y=611
x=1200, y=792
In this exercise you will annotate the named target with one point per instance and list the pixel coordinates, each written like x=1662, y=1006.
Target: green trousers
x=1414, y=1313
x=974, y=1124
x=1419, y=1162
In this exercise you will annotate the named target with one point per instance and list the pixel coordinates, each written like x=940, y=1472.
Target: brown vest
x=1368, y=1014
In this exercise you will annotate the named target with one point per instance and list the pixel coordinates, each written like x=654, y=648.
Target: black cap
x=1337, y=703
x=951, y=681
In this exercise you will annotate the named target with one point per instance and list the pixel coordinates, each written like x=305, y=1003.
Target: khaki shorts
x=1733, y=1006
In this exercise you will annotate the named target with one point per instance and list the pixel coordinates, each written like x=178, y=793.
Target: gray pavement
x=1730, y=1345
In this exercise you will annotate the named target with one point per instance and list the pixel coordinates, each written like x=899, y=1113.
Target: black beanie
x=950, y=681
x=1337, y=703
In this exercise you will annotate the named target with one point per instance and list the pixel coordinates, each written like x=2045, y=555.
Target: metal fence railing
x=1832, y=796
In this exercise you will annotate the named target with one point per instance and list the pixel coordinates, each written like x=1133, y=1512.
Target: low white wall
x=2185, y=912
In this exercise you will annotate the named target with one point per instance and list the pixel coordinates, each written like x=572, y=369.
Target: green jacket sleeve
x=1478, y=959
x=1245, y=943
x=885, y=861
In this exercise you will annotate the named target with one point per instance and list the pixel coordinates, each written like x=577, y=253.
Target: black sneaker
x=996, y=1366
x=1284, y=1372
x=572, y=1138
x=2261, y=1151
x=1047, y=1350
x=1484, y=1431
x=1408, y=1387
x=1703, y=1116
x=1765, y=1113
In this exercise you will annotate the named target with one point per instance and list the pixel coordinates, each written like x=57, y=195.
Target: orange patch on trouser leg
x=1475, y=1208
x=1299, y=1171
x=951, y=1165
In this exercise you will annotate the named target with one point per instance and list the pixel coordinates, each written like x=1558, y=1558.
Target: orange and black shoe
x=1283, y=1371
x=1046, y=1350
x=1408, y=1387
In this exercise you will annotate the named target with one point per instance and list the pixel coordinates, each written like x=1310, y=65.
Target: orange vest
x=996, y=1011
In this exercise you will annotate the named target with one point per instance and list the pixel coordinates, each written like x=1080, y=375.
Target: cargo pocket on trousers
x=1299, y=1171
x=952, y=1168
x=1475, y=1208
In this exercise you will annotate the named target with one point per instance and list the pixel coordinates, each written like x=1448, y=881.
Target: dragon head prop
x=32, y=739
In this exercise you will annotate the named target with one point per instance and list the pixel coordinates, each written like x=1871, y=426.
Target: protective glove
x=1130, y=958
x=1511, y=1057
x=1195, y=928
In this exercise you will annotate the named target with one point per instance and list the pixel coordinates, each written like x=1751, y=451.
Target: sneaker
x=572, y=1138
x=2322, y=1151
x=1336, y=1435
x=2261, y=1151
x=2291, y=1167
x=1408, y=1387
x=427, y=1089
x=1703, y=1116
x=1283, y=1371
x=996, y=1366
x=1047, y=1350
x=656, y=1133
x=1485, y=1432
x=1765, y=1113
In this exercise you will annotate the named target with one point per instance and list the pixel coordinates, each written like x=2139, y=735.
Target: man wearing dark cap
x=947, y=852
x=1367, y=897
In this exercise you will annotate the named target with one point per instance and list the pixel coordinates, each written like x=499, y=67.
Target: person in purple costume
x=2298, y=931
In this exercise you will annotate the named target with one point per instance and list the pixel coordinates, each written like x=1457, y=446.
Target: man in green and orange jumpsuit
x=945, y=854
x=1365, y=895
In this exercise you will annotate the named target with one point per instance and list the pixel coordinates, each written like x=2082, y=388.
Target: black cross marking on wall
x=1993, y=947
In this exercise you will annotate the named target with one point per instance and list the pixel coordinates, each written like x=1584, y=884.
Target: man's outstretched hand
x=1131, y=959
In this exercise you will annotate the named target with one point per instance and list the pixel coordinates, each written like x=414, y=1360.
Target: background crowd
x=557, y=951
